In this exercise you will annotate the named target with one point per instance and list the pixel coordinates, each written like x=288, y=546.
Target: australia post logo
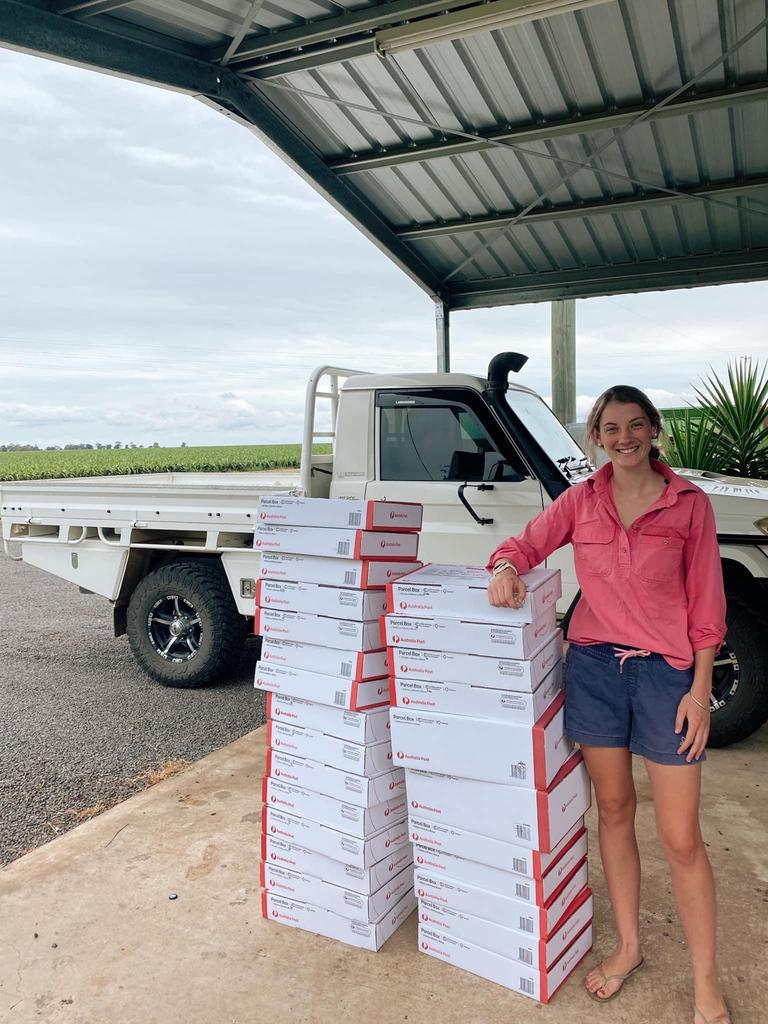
x=400, y=755
x=262, y=515
x=404, y=605
x=397, y=515
x=406, y=700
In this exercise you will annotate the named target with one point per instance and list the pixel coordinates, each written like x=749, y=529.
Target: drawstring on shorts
x=623, y=654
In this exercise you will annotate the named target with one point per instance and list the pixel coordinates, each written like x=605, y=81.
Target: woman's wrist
x=699, y=702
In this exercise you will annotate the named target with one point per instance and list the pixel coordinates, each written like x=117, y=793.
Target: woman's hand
x=506, y=590
x=697, y=730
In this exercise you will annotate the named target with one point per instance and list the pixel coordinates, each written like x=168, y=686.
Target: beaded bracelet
x=704, y=707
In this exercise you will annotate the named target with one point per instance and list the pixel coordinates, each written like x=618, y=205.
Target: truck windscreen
x=551, y=435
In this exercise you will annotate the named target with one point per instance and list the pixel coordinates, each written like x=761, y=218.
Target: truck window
x=441, y=441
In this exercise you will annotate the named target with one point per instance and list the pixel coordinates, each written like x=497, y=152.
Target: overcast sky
x=165, y=277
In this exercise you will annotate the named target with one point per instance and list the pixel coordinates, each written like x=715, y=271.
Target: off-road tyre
x=212, y=631
x=740, y=681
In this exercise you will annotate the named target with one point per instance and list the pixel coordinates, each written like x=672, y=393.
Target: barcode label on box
x=523, y=831
x=526, y=924
x=350, y=577
x=522, y=891
x=355, y=518
x=346, y=670
x=340, y=698
x=520, y=865
x=526, y=985
x=342, y=548
x=525, y=955
x=519, y=770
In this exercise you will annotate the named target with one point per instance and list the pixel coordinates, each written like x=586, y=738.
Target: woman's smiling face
x=625, y=433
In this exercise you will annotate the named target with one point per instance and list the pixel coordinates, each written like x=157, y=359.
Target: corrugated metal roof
x=435, y=150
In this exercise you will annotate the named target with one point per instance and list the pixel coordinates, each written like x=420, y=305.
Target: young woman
x=638, y=675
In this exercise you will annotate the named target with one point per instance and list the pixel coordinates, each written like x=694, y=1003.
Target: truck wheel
x=740, y=679
x=183, y=626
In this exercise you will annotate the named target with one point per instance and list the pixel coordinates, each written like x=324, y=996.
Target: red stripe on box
x=264, y=911
x=358, y=543
x=269, y=704
x=392, y=691
x=269, y=760
x=544, y=992
x=264, y=784
x=262, y=874
x=556, y=894
x=258, y=592
x=257, y=622
x=369, y=515
x=572, y=842
x=390, y=598
x=263, y=840
x=383, y=628
x=542, y=816
x=269, y=732
x=364, y=575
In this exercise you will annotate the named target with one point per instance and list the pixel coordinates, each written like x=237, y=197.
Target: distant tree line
x=116, y=446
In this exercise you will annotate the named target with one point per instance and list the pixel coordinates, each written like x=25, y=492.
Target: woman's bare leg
x=610, y=769
x=676, y=790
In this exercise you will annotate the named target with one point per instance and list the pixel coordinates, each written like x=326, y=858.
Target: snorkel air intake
x=500, y=368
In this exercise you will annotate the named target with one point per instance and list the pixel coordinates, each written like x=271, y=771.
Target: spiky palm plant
x=695, y=442
x=737, y=409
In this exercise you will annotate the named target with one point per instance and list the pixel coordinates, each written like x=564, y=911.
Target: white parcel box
x=339, y=513
x=320, y=778
x=362, y=880
x=282, y=910
x=537, y=953
x=462, y=635
x=334, y=572
x=482, y=748
x=532, y=818
x=357, y=790
x=357, y=666
x=356, y=758
x=538, y=922
x=461, y=592
x=353, y=544
x=502, y=881
x=355, y=726
x=501, y=673
x=339, y=693
x=321, y=630
x=356, y=821
x=318, y=599
x=538, y=984
x=333, y=843
x=440, y=837
x=477, y=701
x=345, y=902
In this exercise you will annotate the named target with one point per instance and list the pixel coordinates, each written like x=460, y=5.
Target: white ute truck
x=174, y=553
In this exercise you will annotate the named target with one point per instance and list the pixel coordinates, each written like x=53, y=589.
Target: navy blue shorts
x=635, y=706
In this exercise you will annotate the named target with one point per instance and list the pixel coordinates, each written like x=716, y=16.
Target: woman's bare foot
x=718, y=1016
x=710, y=1006
x=621, y=961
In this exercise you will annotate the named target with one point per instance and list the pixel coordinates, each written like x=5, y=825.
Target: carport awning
x=498, y=152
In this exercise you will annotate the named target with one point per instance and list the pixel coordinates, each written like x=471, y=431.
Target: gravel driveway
x=80, y=726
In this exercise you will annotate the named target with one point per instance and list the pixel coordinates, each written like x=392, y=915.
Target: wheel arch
x=141, y=562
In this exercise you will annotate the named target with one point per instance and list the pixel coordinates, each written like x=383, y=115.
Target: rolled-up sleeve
x=546, y=533
x=704, y=579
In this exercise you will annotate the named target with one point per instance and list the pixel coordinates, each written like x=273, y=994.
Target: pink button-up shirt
x=656, y=586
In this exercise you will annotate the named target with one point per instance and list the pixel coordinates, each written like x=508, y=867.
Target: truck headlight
x=762, y=525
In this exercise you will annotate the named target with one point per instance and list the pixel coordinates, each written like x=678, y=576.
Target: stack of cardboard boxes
x=496, y=793
x=336, y=858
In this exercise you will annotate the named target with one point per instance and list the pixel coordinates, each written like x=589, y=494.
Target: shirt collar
x=600, y=481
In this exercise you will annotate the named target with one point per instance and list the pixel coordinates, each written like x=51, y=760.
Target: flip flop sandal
x=622, y=978
x=721, y=1018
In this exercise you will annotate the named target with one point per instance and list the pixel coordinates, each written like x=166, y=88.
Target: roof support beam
x=748, y=92
x=328, y=30
x=625, y=204
x=37, y=31
x=88, y=8
x=684, y=272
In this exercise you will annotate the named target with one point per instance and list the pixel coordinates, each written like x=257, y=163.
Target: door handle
x=468, y=507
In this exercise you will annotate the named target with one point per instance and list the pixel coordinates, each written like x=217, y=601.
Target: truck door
x=429, y=444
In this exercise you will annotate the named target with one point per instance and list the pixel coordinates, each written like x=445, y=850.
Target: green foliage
x=729, y=432
x=695, y=442
x=221, y=459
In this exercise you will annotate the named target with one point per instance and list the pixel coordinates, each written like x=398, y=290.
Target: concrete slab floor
x=88, y=934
